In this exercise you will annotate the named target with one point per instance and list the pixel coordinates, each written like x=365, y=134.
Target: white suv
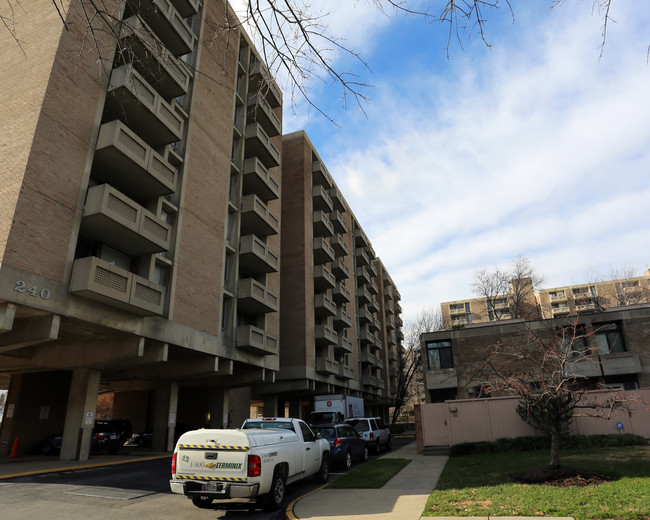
x=374, y=432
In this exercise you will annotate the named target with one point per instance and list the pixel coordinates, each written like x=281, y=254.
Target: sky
x=464, y=158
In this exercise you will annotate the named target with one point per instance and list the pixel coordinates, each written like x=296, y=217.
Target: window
x=573, y=340
x=439, y=355
x=608, y=338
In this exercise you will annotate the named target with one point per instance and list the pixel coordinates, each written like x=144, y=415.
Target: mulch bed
x=562, y=477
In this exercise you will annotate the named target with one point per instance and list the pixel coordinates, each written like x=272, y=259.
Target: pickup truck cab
x=252, y=464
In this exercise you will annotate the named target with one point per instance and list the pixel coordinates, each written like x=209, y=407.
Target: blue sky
x=535, y=146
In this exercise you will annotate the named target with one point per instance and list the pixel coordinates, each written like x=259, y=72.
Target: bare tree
x=493, y=286
x=407, y=371
x=549, y=370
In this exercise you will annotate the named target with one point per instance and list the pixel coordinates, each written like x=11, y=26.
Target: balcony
x=114, y=219
x=373, y=304
x=374, y=324
x=391, y=338
x=323, y=278
x=364, y=315
x=340, y=270
x=583, y=305
x=256, y=218
x=323, y=252
x=345, y=371
x=380, y=363
x=440, y=379
x=392, y=354
x=362, y=256
x=254, y=298
x=367, y=358
x=101, y=281
x=339, y=222
x=261, y=80
x=365, y=336
x=381, y=384
x=342, y=319
x=363, y=296
x=324, y=335
x=368, y=380
x=130, y=164
x=259, y=110
x=255, y=257
x=620, y=363
x=168, y=24
x=258, y=144
x=256, y=340
x=389, y=308
x=136, y=103
x=396, y=295
x=363, y=276
x=340, y=293
x=325, y=365
x=322, y=225
x=187, y=8
x=360, y=238
x=587, y=367
x=558, y=297
x=324, y=306
x=258, y=180
x=321, y=199
x=457, y=311
x=388, y=293
x=343, y=344
x=337, y=200
x=320, y=175
x=339, y=245
x=160, y=68
x=390, y=323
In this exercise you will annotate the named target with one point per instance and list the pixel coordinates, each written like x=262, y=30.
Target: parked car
x=374, y=432
x=51, y=445
x=111, y=434
x=142, y=439
x=346, y=444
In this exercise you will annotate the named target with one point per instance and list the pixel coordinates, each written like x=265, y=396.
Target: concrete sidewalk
x=404, y=497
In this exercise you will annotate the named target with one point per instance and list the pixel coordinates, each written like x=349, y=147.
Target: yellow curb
x=288, y=513
x=84, y=466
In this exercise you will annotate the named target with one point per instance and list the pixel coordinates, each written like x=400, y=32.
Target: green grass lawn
x=372, y=475
x=479, y=485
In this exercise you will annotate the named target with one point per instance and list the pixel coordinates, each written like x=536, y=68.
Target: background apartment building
x=140, y=233
x=340, y=320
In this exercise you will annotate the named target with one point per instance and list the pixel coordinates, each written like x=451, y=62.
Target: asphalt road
x=134, y=490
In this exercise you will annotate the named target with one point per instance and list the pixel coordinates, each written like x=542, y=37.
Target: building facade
x=140, y=227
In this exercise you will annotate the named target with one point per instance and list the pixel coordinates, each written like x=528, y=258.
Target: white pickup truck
x=253, y=463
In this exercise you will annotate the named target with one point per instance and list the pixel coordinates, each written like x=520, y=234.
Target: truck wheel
x=324, y=471
x=275, y=497
x=202, y=502
x=364, y=454
x=348, y=460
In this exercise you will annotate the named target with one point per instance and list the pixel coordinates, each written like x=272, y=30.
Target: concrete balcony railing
x=135, y=102
x=261, y=80
x=325, y=335
x=323, y=278
x=372, y=269
x=324, y=306
x=345, y=372
x=360, y=238
x=130, y=164
x=377, y=342
x=439, y=379
x=258, y=144
x=259, y=110
x=325, y=365
x=340, y=293
x=396, y=295
x=343, y=344
x=373, y=288
x=365, y=336
x=363, y=296
x=187, y=8
x=256, y=218
x=342, y=319
x=620, y=363
x=157, y=64
x=389, y=308
x=98, y=280
x=339, y=221
x=323, y=251
x=558, y=298
x=255, y=257
x=258, y=181
x=457, y=311
x=320, y=175
x=392, y=354
x=367, y=358
x=256, y=340
x=110, y=217
x=254, y=298
x=388, y=293
x=391, y=338
x=368, y=380
x=363, y=276
x=321, y=199
x=337, y=201
x=390, y=323
x=373, y=304
x=381, y=384
x=322, y=225
x=168, y=24
x=380, y=363
x=374, y=324
x=339, y=245
x=364, y=315
x=340, y=270
x=362, y=256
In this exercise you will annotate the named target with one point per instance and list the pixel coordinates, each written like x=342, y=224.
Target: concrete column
x=218, y=408
x=80, y=414
x=165, y=414
x=7, y=426
x=294, y=408
x=270, y=406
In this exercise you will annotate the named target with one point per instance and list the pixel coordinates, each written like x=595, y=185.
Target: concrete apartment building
x=140, y=234
x=340, y=320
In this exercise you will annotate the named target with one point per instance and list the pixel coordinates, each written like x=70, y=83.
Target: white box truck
x=335, y=408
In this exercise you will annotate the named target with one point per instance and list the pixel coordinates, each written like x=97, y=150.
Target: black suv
x=111, y=434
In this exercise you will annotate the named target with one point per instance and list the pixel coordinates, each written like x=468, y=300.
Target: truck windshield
x=268, y=425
